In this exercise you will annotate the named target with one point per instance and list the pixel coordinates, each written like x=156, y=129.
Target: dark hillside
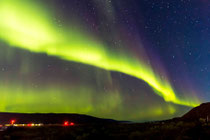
x=50, y=118
x=200, y=112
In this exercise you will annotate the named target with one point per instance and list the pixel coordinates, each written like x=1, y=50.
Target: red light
x=12, y=121
x=30, y=124
x=71, y=123
x=66, y=123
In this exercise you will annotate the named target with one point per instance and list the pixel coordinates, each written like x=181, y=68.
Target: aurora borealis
x=82, y=57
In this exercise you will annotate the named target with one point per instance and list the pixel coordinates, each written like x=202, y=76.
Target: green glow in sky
x=28, y=26
x=59, y=99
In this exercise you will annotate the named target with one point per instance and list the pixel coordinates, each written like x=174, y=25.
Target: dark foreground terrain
x=157, y=130
x=193, y=125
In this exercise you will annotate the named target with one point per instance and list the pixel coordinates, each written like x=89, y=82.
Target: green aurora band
x=24, y=24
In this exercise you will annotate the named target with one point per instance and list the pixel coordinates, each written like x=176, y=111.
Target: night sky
x=135, y=60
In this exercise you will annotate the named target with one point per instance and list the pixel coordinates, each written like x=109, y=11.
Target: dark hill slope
x=51, y=118
x=202, y=111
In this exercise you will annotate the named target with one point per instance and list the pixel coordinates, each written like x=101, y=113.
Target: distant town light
x=12, y=122
x=71, y=123
x=66, y=123
x=30, y=124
